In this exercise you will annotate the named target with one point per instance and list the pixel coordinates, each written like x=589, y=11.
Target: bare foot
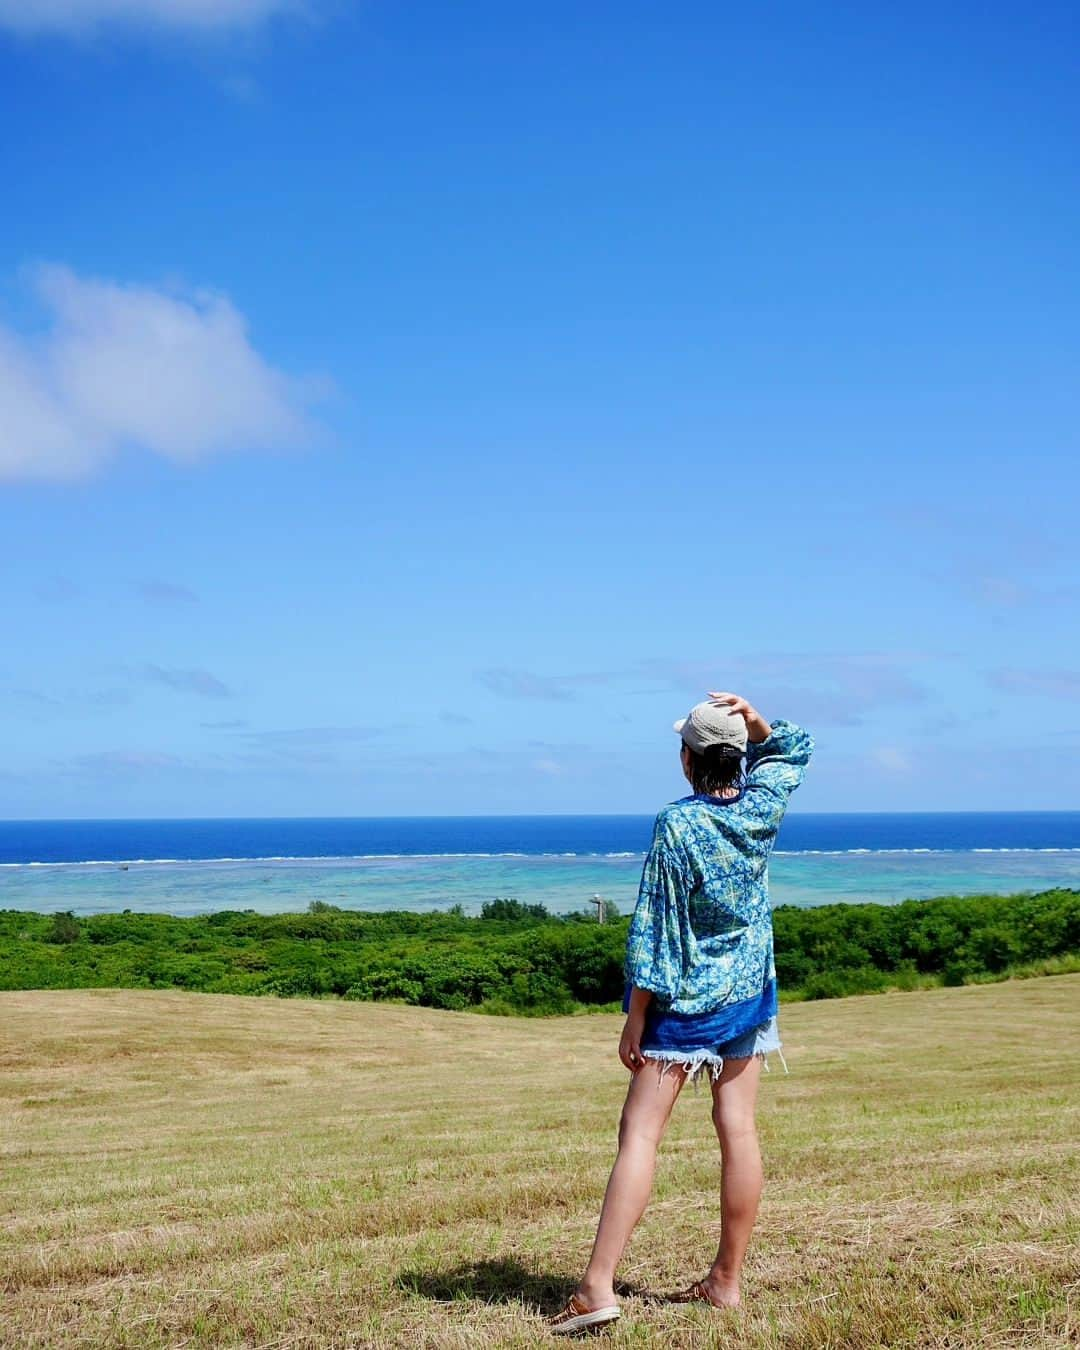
x=596, y=1295
x=724, y=1293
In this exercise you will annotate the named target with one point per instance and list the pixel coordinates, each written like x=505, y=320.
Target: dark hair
x=715, y=769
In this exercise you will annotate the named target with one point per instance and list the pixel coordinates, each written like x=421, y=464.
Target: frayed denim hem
x=694, y=1061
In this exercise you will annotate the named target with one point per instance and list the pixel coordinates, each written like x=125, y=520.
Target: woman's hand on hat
x=734, y=704
x=756, y=727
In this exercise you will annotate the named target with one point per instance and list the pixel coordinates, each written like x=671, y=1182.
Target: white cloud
x=78, y=16
x=826, y=688
x=527, y=684
x=121, y=366
x=201, y=682
x=1050, y=683
x=891, y=758
x=166, y=593
x=126, y=761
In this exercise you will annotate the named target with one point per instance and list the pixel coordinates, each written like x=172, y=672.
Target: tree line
x=516, y=958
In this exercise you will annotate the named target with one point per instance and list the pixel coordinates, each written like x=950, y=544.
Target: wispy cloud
x=996, y=591
x=527, y=684
x=1004, y=591
x=312, y=746
x=1035, y=574
x=1052, y=683
x=124, y=762
x=524, y=684
x=891, y=758
x=241, y=753
x=195, y=681
x=166, y=593
x=241, y=88
x=309, y=736
x=65, y=703
x=107, y=698
x=168, y=371
x=79, y=16
x=56, y=590
x=835, y=689
x=832, y=689
x=36, y=696
x=230, y=724
x=454, y=719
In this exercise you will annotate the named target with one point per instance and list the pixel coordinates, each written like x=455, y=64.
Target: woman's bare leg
x=645, y=1115
x=734, y=1100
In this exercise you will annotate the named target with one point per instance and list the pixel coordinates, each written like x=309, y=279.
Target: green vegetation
x=516, y=958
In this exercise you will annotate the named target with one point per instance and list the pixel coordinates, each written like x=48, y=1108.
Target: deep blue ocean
x=196, y=866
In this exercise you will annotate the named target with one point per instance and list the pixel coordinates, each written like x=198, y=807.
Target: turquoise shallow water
x=275, y=865
x=563, y=883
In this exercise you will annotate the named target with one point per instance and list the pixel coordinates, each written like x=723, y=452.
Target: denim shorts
x=759, y=1041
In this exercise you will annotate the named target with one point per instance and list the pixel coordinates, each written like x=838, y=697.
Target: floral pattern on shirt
x=701, y=935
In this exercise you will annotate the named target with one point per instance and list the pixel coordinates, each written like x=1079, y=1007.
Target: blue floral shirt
x=701, y=937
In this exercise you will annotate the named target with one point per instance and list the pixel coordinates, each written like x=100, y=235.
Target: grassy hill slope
x=192, y=1169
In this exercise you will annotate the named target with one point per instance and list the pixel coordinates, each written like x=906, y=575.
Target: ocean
x=418, y=863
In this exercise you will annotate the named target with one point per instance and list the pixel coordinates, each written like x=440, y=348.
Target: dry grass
x=195, y=1170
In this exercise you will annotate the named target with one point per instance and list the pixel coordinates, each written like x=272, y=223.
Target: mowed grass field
x=200, y=1170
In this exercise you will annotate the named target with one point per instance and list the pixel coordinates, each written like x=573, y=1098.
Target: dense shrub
x=517, y=958
x=502, y=910
x=65, y=928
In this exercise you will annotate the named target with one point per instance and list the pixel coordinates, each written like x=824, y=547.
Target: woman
x=701, y=986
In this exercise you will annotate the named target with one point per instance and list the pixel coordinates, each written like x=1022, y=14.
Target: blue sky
x=413, y=409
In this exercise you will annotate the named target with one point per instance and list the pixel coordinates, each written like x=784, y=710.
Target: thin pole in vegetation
x=598, y=901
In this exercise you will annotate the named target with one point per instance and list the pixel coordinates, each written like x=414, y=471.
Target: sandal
x=697, y=1293
x=577, y=1317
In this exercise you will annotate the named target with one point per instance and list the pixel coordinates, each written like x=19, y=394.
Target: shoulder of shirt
x=673, y=813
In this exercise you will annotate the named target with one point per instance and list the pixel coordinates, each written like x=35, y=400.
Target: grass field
x=202, y=1170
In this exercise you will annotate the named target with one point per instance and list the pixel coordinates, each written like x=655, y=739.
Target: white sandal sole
x=584, y=1320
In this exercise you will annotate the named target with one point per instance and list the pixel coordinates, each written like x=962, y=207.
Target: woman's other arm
x=656, y=940
x=630, y=1042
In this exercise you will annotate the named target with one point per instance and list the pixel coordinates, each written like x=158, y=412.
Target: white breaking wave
x=841, y=852
x=328, y=858
x=268, y=858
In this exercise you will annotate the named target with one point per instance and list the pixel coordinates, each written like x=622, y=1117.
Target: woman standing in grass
x=701, y=986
